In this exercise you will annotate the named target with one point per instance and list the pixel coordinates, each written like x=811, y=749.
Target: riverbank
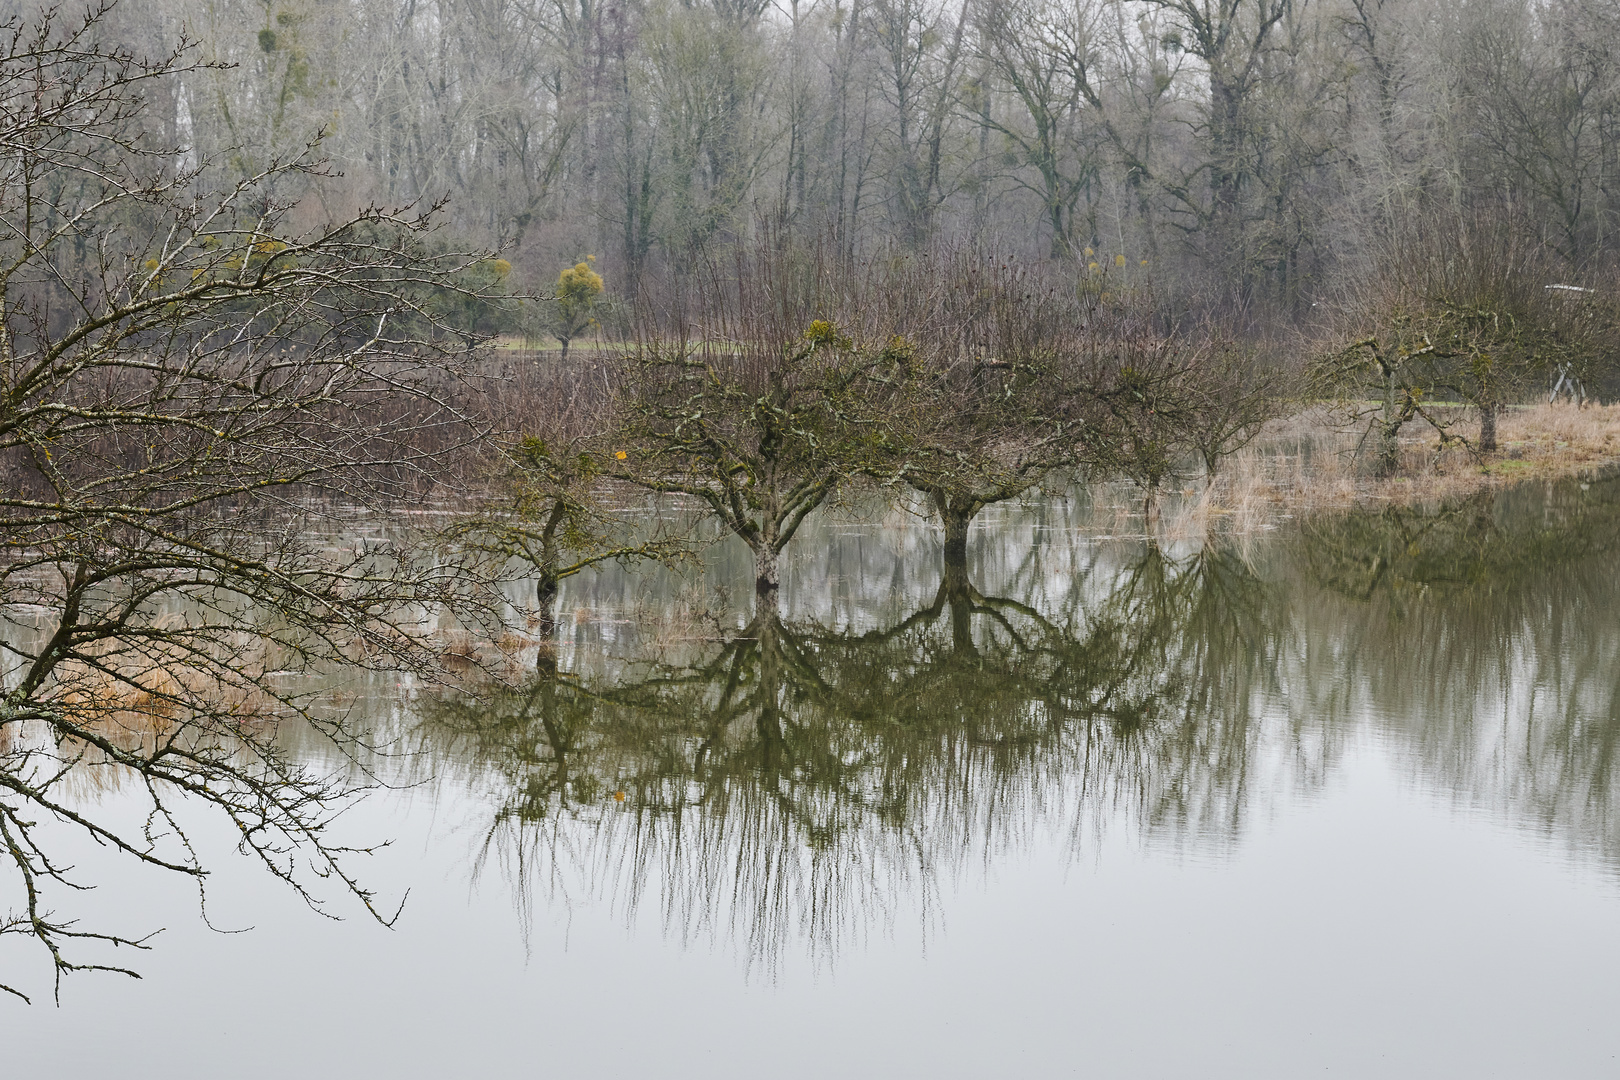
x=1313, y=461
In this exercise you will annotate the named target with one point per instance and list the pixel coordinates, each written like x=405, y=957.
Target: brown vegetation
x=1309, y=462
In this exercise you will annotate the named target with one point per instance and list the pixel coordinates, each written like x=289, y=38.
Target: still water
x=1337, y=799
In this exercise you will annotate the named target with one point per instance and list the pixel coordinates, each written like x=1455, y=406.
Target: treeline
x=1241, y=154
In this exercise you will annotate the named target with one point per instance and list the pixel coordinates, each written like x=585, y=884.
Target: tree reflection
x=798, y=780
x=1482, y=635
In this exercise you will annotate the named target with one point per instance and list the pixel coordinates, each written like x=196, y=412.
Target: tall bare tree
x=184, y=369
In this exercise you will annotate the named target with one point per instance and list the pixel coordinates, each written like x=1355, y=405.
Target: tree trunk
x=956, y=571
x=956, y=535
x=1487, y=427
x=769, y=723
x=1389, y=450
x=1389, y=431
x=767, y=570
x=956, y=584
x=959, y=597
x=545, y=598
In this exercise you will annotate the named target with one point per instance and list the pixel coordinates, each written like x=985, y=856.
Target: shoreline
x=1308, y=463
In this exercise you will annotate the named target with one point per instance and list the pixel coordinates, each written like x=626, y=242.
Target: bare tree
x=559, y=521
x=185, y=370
x=1542, y=86
x=762, y=401
x=919, y=54
x=1045, y=54
x=1466, y=307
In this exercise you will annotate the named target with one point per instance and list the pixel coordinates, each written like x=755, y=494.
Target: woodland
x=1254, y=157
x=1349, y=182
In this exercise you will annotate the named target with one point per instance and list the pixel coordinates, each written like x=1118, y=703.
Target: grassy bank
x=1312, y=461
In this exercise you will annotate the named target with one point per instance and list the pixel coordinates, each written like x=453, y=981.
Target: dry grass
x=1310, y=462
x=473, y=657
x=695, y=614
x=134, y=698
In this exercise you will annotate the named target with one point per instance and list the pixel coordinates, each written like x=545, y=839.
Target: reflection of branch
x=798, y=757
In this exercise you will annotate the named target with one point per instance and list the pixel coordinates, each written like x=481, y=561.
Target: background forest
x=1250, y=156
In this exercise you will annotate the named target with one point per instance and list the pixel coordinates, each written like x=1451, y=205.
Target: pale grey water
x=1340, y=799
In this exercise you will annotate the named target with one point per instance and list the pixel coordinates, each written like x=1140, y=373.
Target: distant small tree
x=557, y=523
x=1386, y=378
x=1463, y=309
x=1229, y=400
x=573, y=312
x=763, y=434
x=981, y=418
x=476, y=302
x=772, y=394
x=1021, y=373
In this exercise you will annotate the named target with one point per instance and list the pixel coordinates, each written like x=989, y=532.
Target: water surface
x=1338, y=798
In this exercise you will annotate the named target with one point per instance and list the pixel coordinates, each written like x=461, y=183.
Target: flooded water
x=1340, y=798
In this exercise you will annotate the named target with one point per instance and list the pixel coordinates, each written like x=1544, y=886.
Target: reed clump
x=133, y=699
